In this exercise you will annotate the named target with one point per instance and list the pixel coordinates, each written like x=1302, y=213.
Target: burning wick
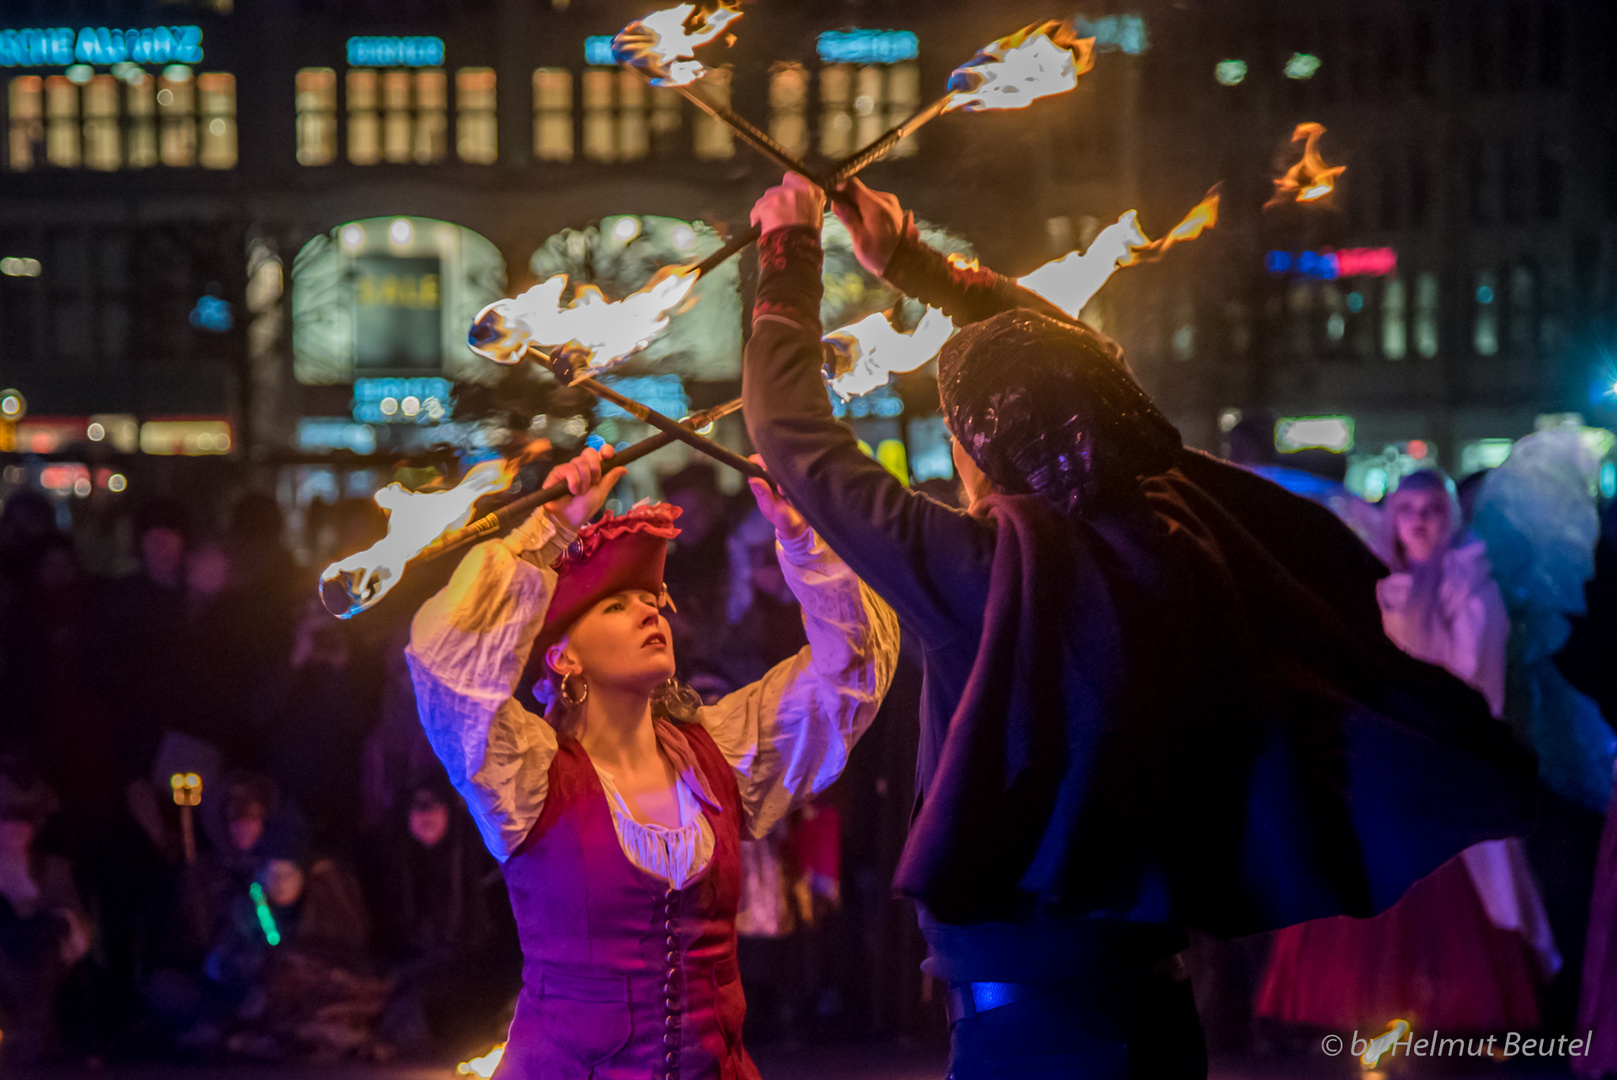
x=1310, y=178
x=596, y=332
x=662, y=45
x=862, y=355
x=1071, y=281
x=1013, y=72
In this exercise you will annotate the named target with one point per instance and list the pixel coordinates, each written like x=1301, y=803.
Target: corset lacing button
x=671, y=994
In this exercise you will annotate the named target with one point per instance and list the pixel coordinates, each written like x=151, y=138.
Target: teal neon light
x=61, y=46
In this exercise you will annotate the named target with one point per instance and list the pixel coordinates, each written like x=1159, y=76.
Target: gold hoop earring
x=566, y=691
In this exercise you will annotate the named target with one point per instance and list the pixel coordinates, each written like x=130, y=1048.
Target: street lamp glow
x=401, y=232
x=352, y=236
x=1302, y=66
x=625, y=229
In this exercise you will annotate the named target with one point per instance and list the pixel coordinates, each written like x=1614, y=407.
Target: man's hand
x=588, y=485
x=789, y=524
x=796, y=200
x=875, y=221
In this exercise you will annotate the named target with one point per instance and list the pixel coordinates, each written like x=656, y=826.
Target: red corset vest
x=624, y=977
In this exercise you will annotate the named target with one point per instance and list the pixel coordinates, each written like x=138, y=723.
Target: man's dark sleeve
x=965, y=293
x=928, y=561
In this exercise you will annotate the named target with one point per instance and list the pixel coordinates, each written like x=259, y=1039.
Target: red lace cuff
x=789, y=276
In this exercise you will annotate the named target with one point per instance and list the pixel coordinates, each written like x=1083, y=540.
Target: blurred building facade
x=1456, y=285
x=163, y=192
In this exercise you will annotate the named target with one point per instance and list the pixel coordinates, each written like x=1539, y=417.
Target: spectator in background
x=434, y=892
x=44, y=931
x=1467, y=945
x=27, y=531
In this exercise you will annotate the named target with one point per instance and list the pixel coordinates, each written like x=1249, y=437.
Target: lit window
x=432, y=117
x=788, y=107
x=62, y=122
x=667, y=118
x=836, y=115
x=858, y=104
x=903, y=101
x=364, y=125
x=102, y=139
x=176, y=114
x=1394, y=330
x=26, y=102
x=1426, y=305
x=634, y=138
x=317, y=116
x=218, y=93
x=1486, y=330
x=1521, y=310
x=140, y=106
x=714, y=141
x=622, y=114
x=476, y=130
x=553, y=114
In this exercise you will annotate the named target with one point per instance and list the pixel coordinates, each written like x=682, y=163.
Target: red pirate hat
x=612, y=555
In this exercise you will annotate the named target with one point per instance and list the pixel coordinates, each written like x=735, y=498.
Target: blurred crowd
x=223, y=833
x=326, y=896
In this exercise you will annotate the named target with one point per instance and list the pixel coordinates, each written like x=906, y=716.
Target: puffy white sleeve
x=468, y=647
x=788, y=735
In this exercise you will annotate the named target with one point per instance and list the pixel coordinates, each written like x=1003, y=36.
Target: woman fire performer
x=1157, y=691
x=618, y=816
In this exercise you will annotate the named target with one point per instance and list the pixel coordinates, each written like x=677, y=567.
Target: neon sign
x=598, y=51
x=1330, y=265
x=868, y=46
x=395, y=51
x=60, y=46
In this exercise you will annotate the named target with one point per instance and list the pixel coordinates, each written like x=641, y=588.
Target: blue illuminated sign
x=1114, y=33
x=868, y=46
x=395, y=51
x=883, y=402
x=212, y=314
x=61, y=46
x=402, y=401
x=662, y=393
x=598, y=50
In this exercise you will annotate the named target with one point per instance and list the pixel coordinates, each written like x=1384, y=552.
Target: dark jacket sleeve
x=966, y=294
x=928, y=561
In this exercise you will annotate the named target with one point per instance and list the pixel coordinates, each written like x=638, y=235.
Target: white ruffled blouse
x=787, y=736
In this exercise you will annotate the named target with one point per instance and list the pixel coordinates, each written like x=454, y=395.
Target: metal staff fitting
x=340, y=594
x=561, y=366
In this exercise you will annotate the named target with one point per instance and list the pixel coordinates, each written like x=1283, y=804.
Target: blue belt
x=966, y=999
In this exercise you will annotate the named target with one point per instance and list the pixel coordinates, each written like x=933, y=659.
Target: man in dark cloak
x=1157, y=692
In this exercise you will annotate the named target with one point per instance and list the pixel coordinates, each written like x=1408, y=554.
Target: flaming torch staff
x=348, y=590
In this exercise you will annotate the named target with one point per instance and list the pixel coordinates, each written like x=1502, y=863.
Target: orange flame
x=870, y=350
x=1072, y=281
x=414, y=520
x=663, y=44
x=1310, y=178
x=1013, y=72
x=606, y=330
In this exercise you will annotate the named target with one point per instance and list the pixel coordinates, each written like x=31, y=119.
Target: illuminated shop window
x=600, y=115
x=714, y=141
x=788, y=107
x=634, y=133
x=25, y=100
x=1394, y=327
x=218, y=125
x=317, y=116
x=903, y=100
x=61, y=122
x=176, y=116
x=476, y=130
x=140, y=111
x=102, y=138
x=553, y=114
